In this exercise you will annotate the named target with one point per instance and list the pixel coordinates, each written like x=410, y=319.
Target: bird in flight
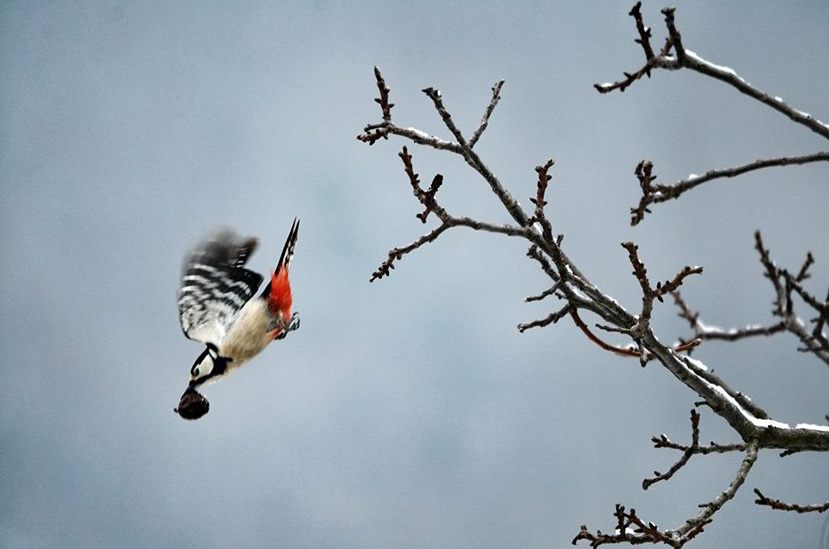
x=217, y=307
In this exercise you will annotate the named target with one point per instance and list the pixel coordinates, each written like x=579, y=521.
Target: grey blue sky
x=407, y=413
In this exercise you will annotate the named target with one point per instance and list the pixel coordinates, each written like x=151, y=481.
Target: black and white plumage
x=215, y=285
x=218, y=306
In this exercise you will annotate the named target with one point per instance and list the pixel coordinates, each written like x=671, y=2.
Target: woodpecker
x=217, y=307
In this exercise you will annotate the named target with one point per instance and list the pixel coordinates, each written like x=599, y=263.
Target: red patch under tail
x=278, y=291
x=280, y=298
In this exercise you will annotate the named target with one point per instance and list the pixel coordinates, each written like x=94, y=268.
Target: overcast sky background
x=407, y=413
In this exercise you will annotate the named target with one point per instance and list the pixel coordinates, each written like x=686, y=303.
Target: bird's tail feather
x=278, y=292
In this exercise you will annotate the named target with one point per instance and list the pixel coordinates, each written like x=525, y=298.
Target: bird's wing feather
x=215, y=285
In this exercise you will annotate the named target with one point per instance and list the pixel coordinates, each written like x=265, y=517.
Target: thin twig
x=552, y=318
x=546, y=293
x=783, y=506
x=686, y=455
x=496, y=96
x=810, y=300
x=540, y=201
x=803, y=273
x=784, y=284
x=649, y=293
x=820, y=320
x=427, y=199
x=383, y=100
x=598, y=341
x=623, y=351
x=397, y=253
x=663, y=441
x=644, y=39
x=667, y=192
x=706, y=332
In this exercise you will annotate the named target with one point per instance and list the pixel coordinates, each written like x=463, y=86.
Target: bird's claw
x=291, y=325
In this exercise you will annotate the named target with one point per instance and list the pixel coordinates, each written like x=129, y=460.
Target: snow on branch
x=651, y=61
x=687, y=59
x=683, y=58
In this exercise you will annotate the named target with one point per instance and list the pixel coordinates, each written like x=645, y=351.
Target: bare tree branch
x=655, y=194
x=496, y=96
x=784, y=284
x=551, y=248
x=708, y=509
x=748, y=419
x=427, y=198
x=744, y=416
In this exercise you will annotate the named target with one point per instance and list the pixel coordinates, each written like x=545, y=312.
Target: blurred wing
x=215, y=285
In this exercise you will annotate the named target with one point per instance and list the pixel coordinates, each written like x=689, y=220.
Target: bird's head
x=204, y=367
x=208, y=366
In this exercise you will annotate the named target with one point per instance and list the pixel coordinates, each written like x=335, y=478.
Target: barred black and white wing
x=215, y=285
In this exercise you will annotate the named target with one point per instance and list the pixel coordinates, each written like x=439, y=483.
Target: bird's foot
x=290, y=326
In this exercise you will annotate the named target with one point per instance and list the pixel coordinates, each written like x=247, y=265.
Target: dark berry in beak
x=192, y=405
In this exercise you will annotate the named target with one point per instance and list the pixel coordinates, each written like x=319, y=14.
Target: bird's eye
x=196, y=371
